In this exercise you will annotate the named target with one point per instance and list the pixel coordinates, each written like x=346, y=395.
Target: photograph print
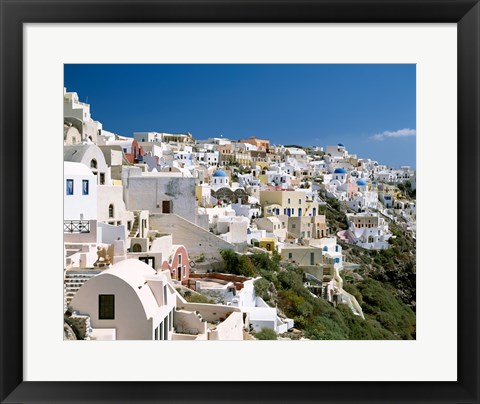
x=239, y=202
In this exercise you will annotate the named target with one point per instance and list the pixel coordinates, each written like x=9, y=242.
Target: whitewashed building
x=80, y=203
x=369, y=230
x=130, y=300
x=219, y=180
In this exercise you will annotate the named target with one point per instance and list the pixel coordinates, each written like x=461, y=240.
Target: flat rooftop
x=208, y=283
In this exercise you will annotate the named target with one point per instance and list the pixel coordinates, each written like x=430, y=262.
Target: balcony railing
x=76, y=226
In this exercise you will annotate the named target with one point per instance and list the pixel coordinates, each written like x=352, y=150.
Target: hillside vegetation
x=386, y=316
x=394, y=267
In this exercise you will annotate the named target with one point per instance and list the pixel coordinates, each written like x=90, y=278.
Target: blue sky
x=371, y=109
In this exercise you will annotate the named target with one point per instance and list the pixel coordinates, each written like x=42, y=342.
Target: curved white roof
x=70, y=168
x=135, y=273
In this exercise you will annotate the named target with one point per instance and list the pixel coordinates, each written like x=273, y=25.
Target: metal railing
x=76, y=226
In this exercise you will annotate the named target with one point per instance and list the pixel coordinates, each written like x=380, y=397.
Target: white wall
x=130, y=320
x=112, y=195
x=111, y=233
x=162, y=245
x=229, y=330
x=78, y=205
x=148, y=193
x=187, y=322
x=195, y=239
x=236, y=228
x=246, y=296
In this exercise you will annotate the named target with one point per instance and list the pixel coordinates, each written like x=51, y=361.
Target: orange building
x=262, y=145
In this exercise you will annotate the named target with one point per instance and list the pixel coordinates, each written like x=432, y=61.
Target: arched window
x=93, y=164
x=325, y=248
x=137, y=248
x=111, y=211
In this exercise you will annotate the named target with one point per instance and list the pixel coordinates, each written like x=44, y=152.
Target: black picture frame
x=14, y=13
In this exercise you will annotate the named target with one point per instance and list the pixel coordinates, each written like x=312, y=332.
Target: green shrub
x=245, y=266
x=197, y=298
x=237, y=264
x=230, y=258
x=261, y=288
x=269, y=276
x=200, y=258
x=289, y=280
x=380, y=304
x=265, y=262
x=266, y=334
x=352, y=289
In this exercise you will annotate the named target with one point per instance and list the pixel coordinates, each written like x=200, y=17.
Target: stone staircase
x=135, y=226
x=74, y=279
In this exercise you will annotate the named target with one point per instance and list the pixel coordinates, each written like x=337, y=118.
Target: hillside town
x=175, y=236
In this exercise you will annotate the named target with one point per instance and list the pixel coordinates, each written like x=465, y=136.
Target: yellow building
x=202, y=194
x=270, y=244
x=290, y=203
x=302, y=255
x=243, y=157
x=263, y=165
x=307, y=227
x=263, y=178
x=365, y=220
